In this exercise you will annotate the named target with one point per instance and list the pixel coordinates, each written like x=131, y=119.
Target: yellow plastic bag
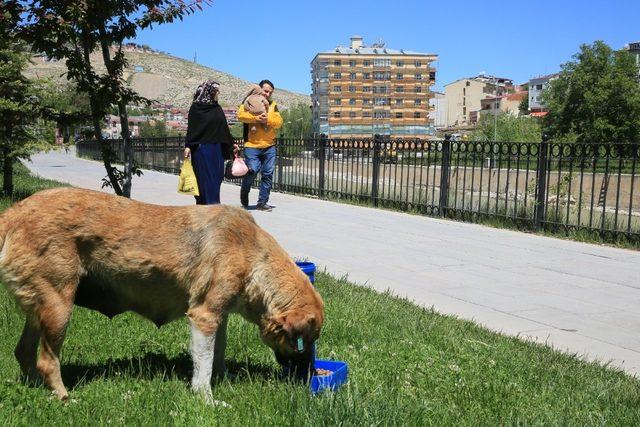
x=187, y=183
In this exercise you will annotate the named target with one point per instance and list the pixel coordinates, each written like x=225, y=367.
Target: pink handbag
x=239, y=167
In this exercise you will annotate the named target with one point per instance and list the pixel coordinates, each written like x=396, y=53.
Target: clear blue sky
x=278, y=39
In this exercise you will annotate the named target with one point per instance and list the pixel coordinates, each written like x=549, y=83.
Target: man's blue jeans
x=260, y=160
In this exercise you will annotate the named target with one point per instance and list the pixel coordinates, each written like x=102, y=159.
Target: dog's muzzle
x=297, y=366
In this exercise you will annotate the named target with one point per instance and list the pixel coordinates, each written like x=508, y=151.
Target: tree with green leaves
x=596, y=97
x=509, y=128
x=296, y=122
x=72, y=30
x=18, y=100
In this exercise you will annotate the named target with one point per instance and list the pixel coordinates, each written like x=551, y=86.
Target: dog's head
x=291, y=335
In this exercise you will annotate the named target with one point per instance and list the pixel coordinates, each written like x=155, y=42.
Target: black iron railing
x=557, y=186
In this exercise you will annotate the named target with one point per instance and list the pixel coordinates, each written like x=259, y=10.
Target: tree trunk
x=107, y=151
x=124, y=123
x=7, y=163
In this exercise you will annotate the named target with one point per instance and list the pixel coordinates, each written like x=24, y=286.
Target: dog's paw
x=204, y=391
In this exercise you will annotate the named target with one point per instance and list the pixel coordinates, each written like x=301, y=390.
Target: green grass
x=408, y=366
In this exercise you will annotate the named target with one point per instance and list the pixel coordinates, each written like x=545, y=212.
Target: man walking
x=259, y=148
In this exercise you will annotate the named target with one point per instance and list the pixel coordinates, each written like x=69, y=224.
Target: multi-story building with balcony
x=358, y=91
x=463, y=97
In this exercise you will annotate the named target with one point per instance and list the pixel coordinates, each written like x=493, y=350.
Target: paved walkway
x=574, y=296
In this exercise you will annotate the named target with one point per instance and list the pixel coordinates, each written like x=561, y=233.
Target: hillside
x=170, y=80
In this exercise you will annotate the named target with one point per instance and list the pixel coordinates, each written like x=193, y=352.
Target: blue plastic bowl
x=307, y=268
x=339, y=372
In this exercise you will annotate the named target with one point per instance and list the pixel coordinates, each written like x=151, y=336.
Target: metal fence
x=554, y=186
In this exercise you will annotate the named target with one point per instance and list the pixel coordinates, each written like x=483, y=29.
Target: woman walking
x=208, y=142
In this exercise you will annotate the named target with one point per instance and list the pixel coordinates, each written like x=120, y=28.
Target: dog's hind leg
x=54, y=316
x=220, y=347
x=27, y=349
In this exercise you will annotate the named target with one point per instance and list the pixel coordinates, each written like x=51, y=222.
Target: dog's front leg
x=204, y=325
x=220, y=347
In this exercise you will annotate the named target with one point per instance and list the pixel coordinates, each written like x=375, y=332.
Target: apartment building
x=509, y=103
x=536, y=86
x=358, y=91
x=438, y=111
x=464, y=96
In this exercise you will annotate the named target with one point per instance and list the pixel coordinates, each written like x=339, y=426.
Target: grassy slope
x=409, y=366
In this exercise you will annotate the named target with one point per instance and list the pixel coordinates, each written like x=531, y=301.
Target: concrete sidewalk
x=577, y=297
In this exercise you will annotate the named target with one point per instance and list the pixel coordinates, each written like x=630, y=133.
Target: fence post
x=279, y=142
x=541, y=182
x=445, y=167
x=321, y=157
x=377, y=144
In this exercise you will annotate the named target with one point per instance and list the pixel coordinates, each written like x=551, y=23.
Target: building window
x=337, y=89
x=382, y=62
x=366, y=114
x=337, y=76
x=416, y=115
x=337, y=63
x=399, y=89
x=432, y=75
x=418, y=76
x=538, y=87
x=418, y=89
x=381, y=101
x=379, y=89
x=367, y=63
x=464, y=91
x=337, y=102
x=418, y=64
x=352, y=88
x=399, y=63
x=382, y=75
x=366, y=88
x=352, y=76
x=352, y=114
x=417, y=102
x=352, y=101
x=398, y=101
x=468, y=84
x=366, y=101
x=352, y=63
x=336, y=114
x=399, y=115
x=464, y=111
x=366, y=76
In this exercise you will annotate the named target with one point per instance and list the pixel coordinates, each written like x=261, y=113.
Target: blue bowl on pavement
x=337, y=377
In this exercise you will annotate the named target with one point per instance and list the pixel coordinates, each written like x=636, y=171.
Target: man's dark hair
x=267, y=82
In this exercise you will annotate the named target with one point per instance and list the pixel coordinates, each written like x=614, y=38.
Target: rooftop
x=379, y=48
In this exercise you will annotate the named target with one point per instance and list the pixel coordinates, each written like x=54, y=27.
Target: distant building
x=358, y=91
x=113, y=126
x=438, y=113
x=634, y=48
x=509, y=103
x=230, y=114
x=536, y=86
x=464, y=96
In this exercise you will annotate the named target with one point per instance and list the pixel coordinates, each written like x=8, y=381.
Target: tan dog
x=112, y=254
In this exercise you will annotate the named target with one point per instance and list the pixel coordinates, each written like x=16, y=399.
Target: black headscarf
x=207, y=123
